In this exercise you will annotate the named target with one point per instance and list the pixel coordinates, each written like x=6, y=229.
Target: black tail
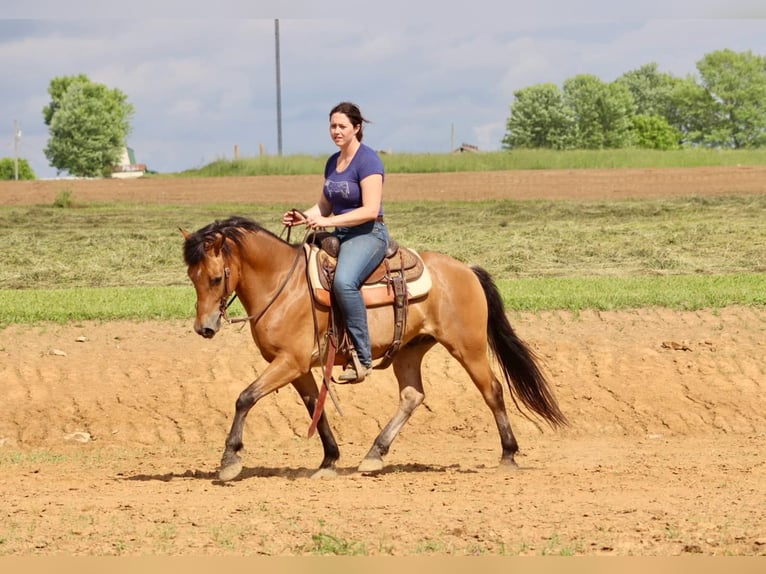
x=518, y=362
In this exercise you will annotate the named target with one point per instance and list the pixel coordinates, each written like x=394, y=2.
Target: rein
x=328, y=353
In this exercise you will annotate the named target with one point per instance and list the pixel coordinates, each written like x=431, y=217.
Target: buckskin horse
x=462, y=311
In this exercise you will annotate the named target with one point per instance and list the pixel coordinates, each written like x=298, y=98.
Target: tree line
x=646, y=108
x=724, y=108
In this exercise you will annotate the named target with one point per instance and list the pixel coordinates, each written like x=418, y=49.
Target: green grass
x=682, y=292
x=139, y=245
x=100, y=304
x=13, y=457
x=324, y=544
x=124, y=261
x=490, y=161
x=555, y=547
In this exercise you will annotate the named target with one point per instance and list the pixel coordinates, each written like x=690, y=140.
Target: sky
x=202, y=76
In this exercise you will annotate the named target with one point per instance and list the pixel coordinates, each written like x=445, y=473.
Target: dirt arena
x=110, y=433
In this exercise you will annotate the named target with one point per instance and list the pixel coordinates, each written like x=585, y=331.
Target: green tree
x=88, y=124
x=602, y=112
x=8, y=169
x=736, y=83
x=654, y=132
x=56, y=90
x=691, y=111
x=651, y=89
x=539, y=119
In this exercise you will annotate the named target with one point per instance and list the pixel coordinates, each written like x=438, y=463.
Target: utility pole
x=279, y=89
x=16, y=138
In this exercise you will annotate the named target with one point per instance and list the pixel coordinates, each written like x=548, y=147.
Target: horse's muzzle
x=207, y=332
x=209, y=328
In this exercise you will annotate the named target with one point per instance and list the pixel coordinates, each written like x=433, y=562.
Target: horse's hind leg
x=407, y=370
x=479, y=369
x=307, y=389
x=493, y=396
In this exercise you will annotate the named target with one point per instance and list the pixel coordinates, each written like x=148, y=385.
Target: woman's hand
x=317, y=221
x=312, y=217
x=293, y=217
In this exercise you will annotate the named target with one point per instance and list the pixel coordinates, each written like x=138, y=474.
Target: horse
x=463, y=311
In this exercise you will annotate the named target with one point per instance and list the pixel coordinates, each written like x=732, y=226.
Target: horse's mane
x=233, y=228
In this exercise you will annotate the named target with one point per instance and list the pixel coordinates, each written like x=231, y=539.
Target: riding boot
x=354, y=372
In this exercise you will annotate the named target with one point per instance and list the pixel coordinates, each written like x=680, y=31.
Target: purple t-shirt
x=343, y=190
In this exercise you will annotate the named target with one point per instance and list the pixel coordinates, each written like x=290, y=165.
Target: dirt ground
x=110, y=433
x=520, y=184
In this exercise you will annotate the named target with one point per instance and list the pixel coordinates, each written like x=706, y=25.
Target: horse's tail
x=518, y=362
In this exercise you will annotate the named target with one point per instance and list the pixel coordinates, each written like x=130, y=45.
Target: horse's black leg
x=275, y=376
x=231, y=463
x=307, y=389
x=479, y=369
x=407, y=370
x=492, y=392
x=507, y=440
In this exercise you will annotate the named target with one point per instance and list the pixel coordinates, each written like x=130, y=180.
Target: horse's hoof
x=371, y=465
x=230, y=471
x=325, y=473
x=508, y=465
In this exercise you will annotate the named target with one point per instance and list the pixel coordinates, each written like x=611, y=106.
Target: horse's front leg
x=276, y=375
x=307, y=389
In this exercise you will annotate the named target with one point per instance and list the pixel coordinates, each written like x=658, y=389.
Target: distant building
x=128, y=168
x=467, y=147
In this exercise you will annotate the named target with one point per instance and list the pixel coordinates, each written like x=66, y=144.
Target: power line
x=16, y=138
x=279, y=89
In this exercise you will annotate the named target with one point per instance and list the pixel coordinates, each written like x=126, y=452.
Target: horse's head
x=208, y=258
x=218, y=257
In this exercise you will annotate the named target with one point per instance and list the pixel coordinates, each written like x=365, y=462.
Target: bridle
x=226, y=301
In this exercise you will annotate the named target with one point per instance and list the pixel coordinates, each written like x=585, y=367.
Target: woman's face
x=342, y=131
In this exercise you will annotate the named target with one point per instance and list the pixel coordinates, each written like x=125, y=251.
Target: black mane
x=232, y=228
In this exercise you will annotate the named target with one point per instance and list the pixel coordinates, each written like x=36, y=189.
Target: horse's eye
x=215, y=281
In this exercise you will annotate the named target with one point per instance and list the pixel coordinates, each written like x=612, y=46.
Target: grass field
x=493, y=161
x=113, y=260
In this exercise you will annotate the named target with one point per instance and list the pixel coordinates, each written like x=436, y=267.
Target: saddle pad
x=374, y=295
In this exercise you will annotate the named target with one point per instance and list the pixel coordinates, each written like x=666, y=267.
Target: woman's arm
x=372, y=196
x=293, y=217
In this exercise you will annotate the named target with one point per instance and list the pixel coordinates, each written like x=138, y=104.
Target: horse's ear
x=185, y=233
x=215, y=243
x=218, y=243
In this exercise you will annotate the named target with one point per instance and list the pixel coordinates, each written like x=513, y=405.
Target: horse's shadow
x=295, y=473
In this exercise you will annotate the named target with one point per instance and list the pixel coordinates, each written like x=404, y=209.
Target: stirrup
x=354, y=372
x=350, y=376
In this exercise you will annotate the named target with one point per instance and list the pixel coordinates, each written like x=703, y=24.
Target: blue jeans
x=362, y=248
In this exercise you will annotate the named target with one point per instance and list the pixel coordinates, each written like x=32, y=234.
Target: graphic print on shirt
x=337, y=189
